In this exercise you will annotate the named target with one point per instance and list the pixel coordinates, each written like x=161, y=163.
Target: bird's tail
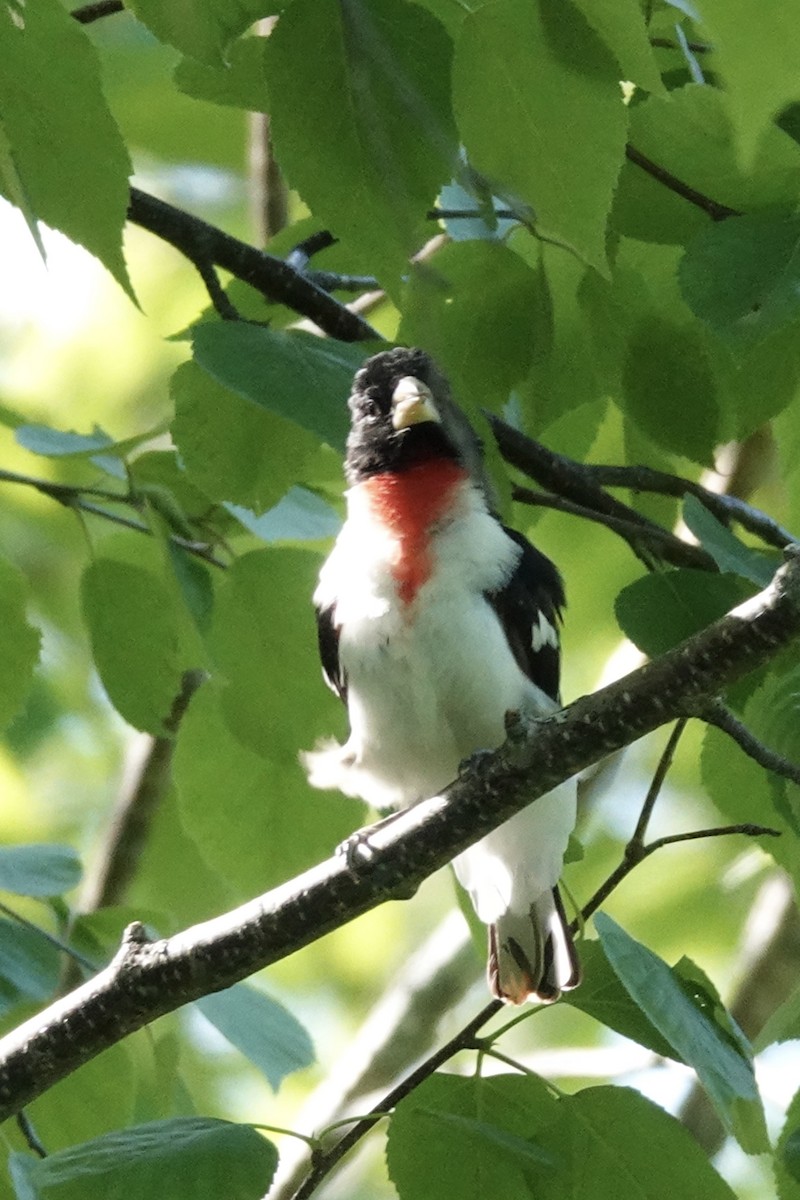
x=531, y=954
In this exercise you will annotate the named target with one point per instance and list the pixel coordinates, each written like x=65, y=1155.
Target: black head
x=402, y=414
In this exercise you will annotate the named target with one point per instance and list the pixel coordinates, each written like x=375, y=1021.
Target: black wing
x=529, y=607
x=328, y=639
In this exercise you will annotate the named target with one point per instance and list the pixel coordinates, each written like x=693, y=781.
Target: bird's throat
x=410, y=504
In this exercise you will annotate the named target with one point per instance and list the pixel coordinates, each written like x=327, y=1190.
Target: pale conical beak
x=412, y=403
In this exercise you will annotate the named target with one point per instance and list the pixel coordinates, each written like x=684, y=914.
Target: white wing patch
x=544, y=634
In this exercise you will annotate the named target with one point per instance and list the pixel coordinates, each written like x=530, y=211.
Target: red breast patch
x=410, y=503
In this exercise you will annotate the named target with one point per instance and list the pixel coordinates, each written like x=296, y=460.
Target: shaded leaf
x=67, y=151
x=472, y=309
x=360, y=111
x=742, y=47
x=512, y=58
x=615, y=1142
x=295, y=375
x=203, y=29
x=725, y=1074
x=238, y=81
x=301, y=516
x=228, y=445
x=730, y=555
x=39, y=870
x=454, y=1136
x=135, y=640
x=186, y=1157
x=29, y=965
x=660, y=610
x=262, y=1029
x=602, y=996
x=742, y=276
x=669, y=390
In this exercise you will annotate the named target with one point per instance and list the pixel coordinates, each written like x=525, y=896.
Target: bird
x=435, y=622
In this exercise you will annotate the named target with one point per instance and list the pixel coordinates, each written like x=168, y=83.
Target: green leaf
x=19, y=643
x=602, y=996
x=744, y=792
x=294, y=375
x=96, y=446
x=360, y=113
x=742, y=48
x=263, y=608
x=621, y=25
x=787, y=1154
x=472, y=308
x=67, y=151
x=467, y=1137
x=615, y=1142
x=782, y=1025
x=234, y=450
x=262, y=1029
x=29, y=966
x=725, y=1074
x=60, y=443
x=203, y=29
x=186, y=1158
x=97, y=1098
x=742, y=276
x=728, y=552
x=272, y=825
x=300, y=516
x=513, y=59
x=39, y=870
x=238, y=82
x=669, y=390
x=690, y=134
x=135, y=632
x=660, y=610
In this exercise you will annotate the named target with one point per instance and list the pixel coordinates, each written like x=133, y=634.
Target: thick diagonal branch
x=146, y=980
x=208, y=247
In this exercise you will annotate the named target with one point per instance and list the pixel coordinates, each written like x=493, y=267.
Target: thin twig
x=29, y=1133
x=660, y=544
x=660, y=774
x=93, y=12
x=55, y=942
x=724, y=506
x=715, y=210
x=325, y=1160
x=715, y=712
x=664, y=43
x=133, y=818
x=71, y=496
x=470, y=214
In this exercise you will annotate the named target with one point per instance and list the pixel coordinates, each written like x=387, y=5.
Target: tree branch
x=93, y=12
x=724, y=506
x=71, y=496
x=130, y=824
x=206, y=246
x=715, y=210
x=662, y=545
x=583, y=485
x=146, y=980
x=715, y=712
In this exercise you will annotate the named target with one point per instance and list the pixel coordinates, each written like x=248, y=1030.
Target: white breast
x=429, y=682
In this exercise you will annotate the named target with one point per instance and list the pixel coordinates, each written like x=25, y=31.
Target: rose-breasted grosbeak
x=434, y=622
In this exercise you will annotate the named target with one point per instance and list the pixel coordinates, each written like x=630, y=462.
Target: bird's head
x=403, y=414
